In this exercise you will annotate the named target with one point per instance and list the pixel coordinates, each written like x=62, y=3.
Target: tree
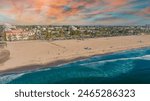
x=4, y=37
x=47, y=35
x=2, y=34
x=9, y=37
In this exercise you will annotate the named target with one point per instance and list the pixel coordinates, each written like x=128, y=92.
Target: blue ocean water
x=126, y=67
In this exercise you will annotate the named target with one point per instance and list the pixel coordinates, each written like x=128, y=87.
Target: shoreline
x=33, y=55
x=58, y=62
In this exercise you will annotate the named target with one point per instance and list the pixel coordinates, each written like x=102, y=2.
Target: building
x=74, y=28
x=18, y=34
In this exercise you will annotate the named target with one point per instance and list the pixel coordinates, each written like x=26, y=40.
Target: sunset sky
x=75, y=12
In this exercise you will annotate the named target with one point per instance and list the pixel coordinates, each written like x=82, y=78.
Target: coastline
x=56, y=63
x=73, y=58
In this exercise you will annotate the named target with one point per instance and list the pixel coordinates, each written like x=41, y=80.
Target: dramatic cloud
x=74, y=11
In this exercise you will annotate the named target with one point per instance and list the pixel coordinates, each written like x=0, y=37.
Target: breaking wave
x=7, y=78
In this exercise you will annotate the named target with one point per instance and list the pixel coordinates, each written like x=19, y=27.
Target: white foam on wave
x=107, y=61
x=7, y=78
x=145, y=57
x=10, y=77
x=111, y=70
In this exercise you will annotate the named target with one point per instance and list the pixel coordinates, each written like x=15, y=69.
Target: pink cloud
x=146, y=10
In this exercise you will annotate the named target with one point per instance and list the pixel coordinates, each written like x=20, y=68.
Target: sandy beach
x=37, y=54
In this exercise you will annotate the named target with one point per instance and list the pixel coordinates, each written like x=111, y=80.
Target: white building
x=16, y=35
x=74, y=28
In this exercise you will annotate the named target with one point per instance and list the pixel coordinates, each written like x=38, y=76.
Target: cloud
x=70, y=11
x=145, y=11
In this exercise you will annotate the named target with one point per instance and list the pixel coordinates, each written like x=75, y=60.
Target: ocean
x=125, y=67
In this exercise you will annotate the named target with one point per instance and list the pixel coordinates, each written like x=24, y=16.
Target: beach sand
x=25, y=55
